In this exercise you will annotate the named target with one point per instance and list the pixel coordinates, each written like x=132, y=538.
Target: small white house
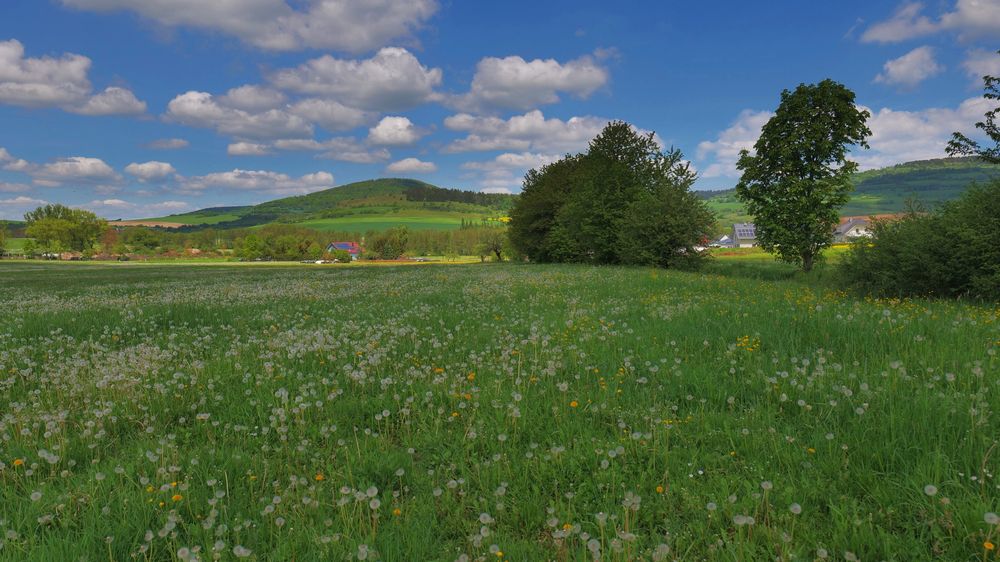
x=852, y=228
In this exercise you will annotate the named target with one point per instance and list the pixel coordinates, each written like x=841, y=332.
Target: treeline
x=440, y=195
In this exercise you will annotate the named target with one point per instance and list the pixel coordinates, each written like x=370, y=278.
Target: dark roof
x=850, y=223
x=351, y=247
x=744, y=230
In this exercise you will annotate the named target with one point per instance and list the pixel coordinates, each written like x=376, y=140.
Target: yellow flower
x=177, y=497
x=499, y=554
x=988, y=545
x=454, y=414
x=659, y=489
x=319, y=477
x=574, y=404
x=18, y=462
x=811, y=451
x=471, y=376
x=397, y=512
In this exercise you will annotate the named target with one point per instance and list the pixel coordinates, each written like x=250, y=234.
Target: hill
x=885, y=190
x=359, y=207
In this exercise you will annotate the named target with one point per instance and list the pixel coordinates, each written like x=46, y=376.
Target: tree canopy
x=961, y=145
x=624, y=201
x=57, y=227
x=800, y=176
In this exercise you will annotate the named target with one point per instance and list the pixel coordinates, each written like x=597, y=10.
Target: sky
x=145, y=108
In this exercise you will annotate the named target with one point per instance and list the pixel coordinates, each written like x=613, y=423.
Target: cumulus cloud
x=7, y=187
x=247, y=149
x=201, y=109
x=260, y=181
x=330, y=114
x=394, y=131
x=58, y=82
x=150, y=172
x=411, y=166
x=168, y=144
x=503, y=173
x=979, y=63
x=253, y=98
x=116, y=208
x=78, y=169
x=528, y=132
x=14, y=208
x=345, y=149
x=514, y=83
x=345, y=25
x=392, y=80
x=910, y=69
x=724, y=151
x=897, y=136
x=970, y=19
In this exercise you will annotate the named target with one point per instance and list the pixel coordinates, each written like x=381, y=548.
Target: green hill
x=360, y=207
x=885, y=190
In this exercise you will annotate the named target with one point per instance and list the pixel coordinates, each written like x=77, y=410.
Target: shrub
x=951, y=252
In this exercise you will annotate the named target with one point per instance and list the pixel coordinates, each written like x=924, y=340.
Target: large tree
x=58, y=227
x=800, y=177
x=625, y=200
x=961, y=145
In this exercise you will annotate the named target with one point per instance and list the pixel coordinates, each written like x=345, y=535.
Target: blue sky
x=137, y=108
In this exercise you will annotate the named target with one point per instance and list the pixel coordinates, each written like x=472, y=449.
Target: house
x=350, y=247
x=724, y=242
x=744, y=235
x=851, y=228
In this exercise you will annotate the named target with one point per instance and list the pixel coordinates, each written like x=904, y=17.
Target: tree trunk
x=807, y=262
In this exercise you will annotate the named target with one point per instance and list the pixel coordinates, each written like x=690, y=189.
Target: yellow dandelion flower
x=659, y=489
x=397, y=512
x=319, y=477
x=18, y=462
x=471, y=376
x=574, y=404
x=988, y=545
x=176, y=497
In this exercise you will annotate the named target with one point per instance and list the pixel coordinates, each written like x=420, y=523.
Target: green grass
x=414, y=220
x=15, y=244
x=151, y=410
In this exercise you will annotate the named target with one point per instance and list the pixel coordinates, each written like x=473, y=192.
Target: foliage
x=3, y=237
x=493, y=244
x=342, y=256
x=553, y=412
x=391, y=244
x=952, y=252
x=623, y=201
x=963, y=145
x=57, y=227
x=800, y=176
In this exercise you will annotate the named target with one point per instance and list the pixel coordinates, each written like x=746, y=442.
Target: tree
x=961, y=145
x=252, y=248
x=800, y=177
x=3, y=236
x=75, y=229
x=391, y=244
x=492, y=242
x=625, y=200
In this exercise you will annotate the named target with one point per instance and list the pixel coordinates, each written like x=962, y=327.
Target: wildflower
x=795, y=508
x=18, y=462
x=988, y=545
x=176, y=497
x=397, y=512
x=991, y=518
x=930, y=489
x=319, y=477
x=574, y=404
x=659, y=489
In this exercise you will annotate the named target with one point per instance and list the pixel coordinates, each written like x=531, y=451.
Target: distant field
x=414, y=220
x=15, y=244
x=490, y=412
x=196, y=218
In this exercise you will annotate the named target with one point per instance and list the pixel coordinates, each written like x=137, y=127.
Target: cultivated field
x=483, y=412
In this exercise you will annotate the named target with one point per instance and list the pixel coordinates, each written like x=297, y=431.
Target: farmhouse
x=350, y=247
x=851, y=228
x=744, y=235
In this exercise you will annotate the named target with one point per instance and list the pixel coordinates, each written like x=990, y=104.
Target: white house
x=744, y=235
x=852, y=228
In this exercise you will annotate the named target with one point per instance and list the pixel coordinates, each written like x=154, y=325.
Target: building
x=350, y=247
x=851, y=228
x=744, y=235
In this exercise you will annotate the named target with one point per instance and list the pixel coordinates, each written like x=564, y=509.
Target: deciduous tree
x=800, y=176
x=961, y=145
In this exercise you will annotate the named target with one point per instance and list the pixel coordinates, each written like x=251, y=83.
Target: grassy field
x=414, y=220
x=485, y=412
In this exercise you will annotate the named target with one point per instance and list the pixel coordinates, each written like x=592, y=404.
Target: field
x=414, y=220
x=490, y=412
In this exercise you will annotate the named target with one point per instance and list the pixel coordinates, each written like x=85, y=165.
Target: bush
x=952, y=252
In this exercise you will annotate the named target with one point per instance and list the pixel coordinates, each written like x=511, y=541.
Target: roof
x=846, y=226
x=744, y=230
x=351, y=247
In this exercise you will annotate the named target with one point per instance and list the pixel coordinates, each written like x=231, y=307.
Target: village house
x=851, y=228
x=744, y=235
x=350, y=247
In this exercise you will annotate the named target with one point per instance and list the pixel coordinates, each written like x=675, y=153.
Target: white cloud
x=515, y=83
x=346, y=25
x=504, y=173
x=392, y=80
x=528, y=132
x=345, y=149
x=253, y=98
x=330, y=114
x=58, y=82
x=168, y=144
x=116, y=208
x=970, y=19
x=394, y=131
x=411, y=166
x=897, y=136
x=247, y=149
x=150, y=172
x=724, y=151
x=200, y=109
x=979, y=63
x=910, y=69
x=6, y=187
x=260, y=181
x=112, y=101
x=16, y=207
x=73, y=169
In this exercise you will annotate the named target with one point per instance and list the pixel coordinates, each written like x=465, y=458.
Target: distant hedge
x=953, y=251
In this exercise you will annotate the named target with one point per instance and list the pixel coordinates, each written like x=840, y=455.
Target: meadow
x=490, y=412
